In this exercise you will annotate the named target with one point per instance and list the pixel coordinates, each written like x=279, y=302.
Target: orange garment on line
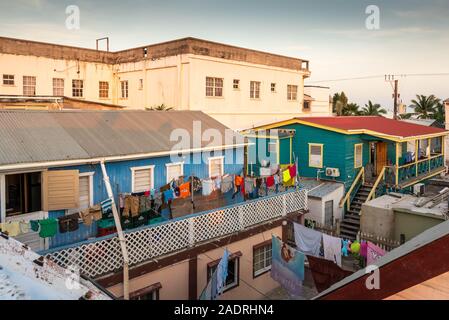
x=184, y=190
x=238, y=180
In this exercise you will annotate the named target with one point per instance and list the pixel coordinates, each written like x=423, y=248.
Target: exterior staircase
x=350, y=225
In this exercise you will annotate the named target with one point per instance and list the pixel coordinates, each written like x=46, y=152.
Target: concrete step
x=348, y=235
x=351, y=221
x=349, y=226
x=353, y=213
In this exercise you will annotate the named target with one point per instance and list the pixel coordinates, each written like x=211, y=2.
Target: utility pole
x=390, y=78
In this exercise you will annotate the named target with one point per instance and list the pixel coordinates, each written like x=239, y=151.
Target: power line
x=402, y=75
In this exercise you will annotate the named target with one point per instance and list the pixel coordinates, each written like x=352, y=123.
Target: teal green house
x=369, y=154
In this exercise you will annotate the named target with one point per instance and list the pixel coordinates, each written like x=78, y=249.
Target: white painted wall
x=176, y=81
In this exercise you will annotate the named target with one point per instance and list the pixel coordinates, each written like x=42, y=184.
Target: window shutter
x=315, y=156
x=174, y=172
x=358, y=156
x=142, y=180
x=60, y=189
x=84, y=192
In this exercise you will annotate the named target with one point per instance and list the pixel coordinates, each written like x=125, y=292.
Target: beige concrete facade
x=172, y=73
x=174, y=279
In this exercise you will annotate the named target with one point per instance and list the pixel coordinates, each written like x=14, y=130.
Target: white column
x=2, y=198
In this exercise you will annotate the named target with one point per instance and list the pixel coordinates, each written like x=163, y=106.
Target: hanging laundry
x=144, y=203
x=34, y=224
x=307, y=240
x=48, y=228
x=238, y=181
x=176, y=192
x=287, y=266
x=86, y=216
x=363, y=249
x=208, y=187
x=184, y=190
x=292, y=171
x=249, y=185
x=325, y=273
x=96, y=213
x=217, y=181
x=286, y=176
x=345, y=248
x=221, y=275
x=226, y=183
x=373, y=253
x=270, y=181
x=332, y=249
x=277, y=179
x=68, y=223
x=121, y=200
x=12, y=228
x=165, y=187
x=168, y=195
x=106, y=206
x=131, y=206
x=25, y=227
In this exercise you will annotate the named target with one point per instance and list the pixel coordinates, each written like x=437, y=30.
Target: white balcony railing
x=98, y=257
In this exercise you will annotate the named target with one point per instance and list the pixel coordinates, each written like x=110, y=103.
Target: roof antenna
x=107, y=42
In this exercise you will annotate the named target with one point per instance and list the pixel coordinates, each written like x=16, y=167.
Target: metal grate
x=103, y=256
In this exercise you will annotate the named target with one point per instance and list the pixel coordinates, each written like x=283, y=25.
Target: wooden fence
x=383, y=243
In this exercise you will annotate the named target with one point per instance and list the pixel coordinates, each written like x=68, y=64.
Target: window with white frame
x=216, y=166
x=124, y=89
x=85, y=192
x=58, y=87
x=142, y=178
x=8, y=79
x=174, y=171
x=236, y=84
x=214, y=87
x=77, y=88
x=262, y=258
x=315, y=155
x=103, y=87
x=254, y=89
x=273, y=149
x=232, y=280
x=358, y=155
x=29, y=86
x=292, y=92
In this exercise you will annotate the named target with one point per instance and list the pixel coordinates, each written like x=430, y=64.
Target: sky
x=413, y=35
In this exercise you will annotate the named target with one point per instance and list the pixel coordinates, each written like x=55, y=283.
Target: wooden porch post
x=397, y=163
x=416, y=156
x=428, y=146
x=2, y=198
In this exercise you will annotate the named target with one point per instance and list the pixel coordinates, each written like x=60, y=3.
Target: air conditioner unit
x=418, y=189
x=332, y=172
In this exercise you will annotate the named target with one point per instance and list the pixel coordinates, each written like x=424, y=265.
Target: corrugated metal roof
x=41, y=136
x=324, y=189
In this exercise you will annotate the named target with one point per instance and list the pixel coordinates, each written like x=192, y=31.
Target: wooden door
x=381, y=156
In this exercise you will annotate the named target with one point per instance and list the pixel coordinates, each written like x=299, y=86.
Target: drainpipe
x=120, y=234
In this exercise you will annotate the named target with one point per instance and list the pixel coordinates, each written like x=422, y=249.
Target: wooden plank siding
x=120, y=178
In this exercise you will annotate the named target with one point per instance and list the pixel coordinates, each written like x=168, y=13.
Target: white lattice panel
x=103, y=256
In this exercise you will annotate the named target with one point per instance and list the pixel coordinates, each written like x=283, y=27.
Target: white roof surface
x=22, y=279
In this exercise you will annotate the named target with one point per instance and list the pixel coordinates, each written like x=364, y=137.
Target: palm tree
x=161, y=107
x=439, y=113
x=351, y=109
x=371, y=109
x=425, y=106
x=339, y=103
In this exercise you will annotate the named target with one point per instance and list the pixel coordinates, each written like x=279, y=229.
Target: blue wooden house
x=50, y=160
x=369, y=154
